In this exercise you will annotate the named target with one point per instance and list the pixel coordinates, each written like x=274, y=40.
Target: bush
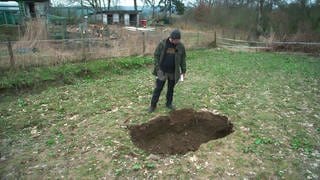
x=284, y=20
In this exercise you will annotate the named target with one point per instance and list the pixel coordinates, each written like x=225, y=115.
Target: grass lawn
x=78, y=129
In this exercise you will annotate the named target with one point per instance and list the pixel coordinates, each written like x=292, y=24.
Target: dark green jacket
x=180, y=59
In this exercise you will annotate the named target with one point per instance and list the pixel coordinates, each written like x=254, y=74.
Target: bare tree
x=152, y=3
x=109, y=2
x=56, y=3
x=95, y=4
x=259, y=24
x=164, y=6
x=135, y=5
x=104, y=4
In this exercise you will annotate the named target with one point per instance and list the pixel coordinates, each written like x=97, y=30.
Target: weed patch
x=68, y=73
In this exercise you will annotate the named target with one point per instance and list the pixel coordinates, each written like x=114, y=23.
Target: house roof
x=9, y=6
x=9, y=3
x=121, y=9
x=89, y=10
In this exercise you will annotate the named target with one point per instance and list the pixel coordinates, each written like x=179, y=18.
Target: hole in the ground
x=182, y=131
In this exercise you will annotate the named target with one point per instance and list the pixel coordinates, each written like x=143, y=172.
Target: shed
x=9, y=13
x=31, y=8
x=119, y=15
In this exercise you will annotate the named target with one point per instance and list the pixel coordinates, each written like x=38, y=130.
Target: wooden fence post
x=143, y=44
x=83, y=49
x=19, y=32
x=198, y=39
x=12, y=61
x=215, y=39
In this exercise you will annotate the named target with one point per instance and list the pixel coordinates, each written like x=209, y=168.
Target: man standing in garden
x=169, y=65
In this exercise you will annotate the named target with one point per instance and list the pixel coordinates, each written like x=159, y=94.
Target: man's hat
x=175, y=34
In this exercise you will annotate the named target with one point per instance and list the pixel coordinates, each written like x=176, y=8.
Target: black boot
x=151, y=109
x=171, y=107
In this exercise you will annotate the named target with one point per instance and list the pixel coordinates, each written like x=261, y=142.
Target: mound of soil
x=182, y=131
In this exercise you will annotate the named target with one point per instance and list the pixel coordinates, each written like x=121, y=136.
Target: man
x=169, y=65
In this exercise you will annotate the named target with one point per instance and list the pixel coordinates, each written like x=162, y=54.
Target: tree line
x=166, y=7
x=285, y=19
x=295, y=20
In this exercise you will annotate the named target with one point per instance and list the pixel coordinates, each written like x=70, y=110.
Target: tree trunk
x=153, y=10
x=135, y=5
x=170, y=11
x=259, y=24
x=100, y=7
x=12, y=62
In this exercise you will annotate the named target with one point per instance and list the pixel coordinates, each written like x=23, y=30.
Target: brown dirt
x=182, y=131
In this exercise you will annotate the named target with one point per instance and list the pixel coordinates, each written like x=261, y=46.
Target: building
x=9, y=13
x=124, y=15
x=34, y=8
x=14, y=12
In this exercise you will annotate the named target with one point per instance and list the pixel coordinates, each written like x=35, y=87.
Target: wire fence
x=307, y=47
x=21, y=54
x=124, y=42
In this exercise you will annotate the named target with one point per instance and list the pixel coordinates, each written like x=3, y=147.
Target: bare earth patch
x=182, y=131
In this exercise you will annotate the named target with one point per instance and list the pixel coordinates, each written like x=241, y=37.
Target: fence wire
x=124, y=43
x=307, y=47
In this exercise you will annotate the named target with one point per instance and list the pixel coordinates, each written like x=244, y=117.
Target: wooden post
x=69, y=19
x=83, y=49
x=19, y=32
x=5, y=18
x=198, y=39
x=12, y=62
x=143, y=43
x=83, y=38
x=215, y=39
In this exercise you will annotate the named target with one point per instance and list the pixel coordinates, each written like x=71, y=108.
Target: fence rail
x=268, y=43
x=308, y=47
x=25, y=53
x=125, y=43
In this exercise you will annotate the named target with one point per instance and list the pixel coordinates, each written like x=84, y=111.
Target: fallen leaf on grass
x=193, y=158
x=34, y=132
x=244, y=129
x=153, y=157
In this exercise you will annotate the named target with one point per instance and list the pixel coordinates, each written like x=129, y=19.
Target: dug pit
x=182, y=131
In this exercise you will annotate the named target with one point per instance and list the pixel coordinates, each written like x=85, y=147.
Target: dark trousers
x=157, y=91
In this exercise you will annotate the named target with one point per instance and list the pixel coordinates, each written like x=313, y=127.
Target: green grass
x=68, y=73
x=78, y=129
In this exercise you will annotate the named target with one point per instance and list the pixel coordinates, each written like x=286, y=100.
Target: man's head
x=175, y=36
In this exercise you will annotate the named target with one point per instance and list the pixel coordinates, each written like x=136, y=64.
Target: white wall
x=126, y=19
x=116, y=18
x=105, y=19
